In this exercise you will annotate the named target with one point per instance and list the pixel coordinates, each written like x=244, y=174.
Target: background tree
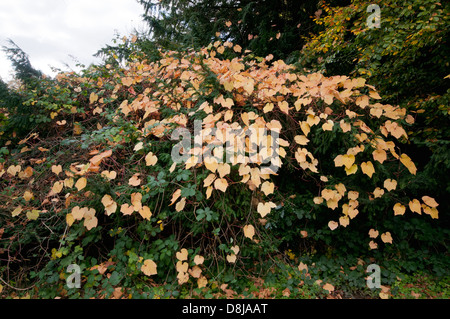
x=263, y=26
x=21, y=64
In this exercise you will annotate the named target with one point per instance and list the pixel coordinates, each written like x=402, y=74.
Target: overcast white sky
x=51, y=30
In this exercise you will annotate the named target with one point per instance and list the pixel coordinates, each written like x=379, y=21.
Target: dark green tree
x=23, y=70
x=263, y=26
x=12, y=99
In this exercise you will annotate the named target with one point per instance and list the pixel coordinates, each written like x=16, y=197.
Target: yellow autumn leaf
x=430, y=201
x=14, y=169
x=68, y=182
x=81, y=183
x=328, y=126
x=33, y=214
x=432, y=211
x=182, y=254
x=195, y=272
x=57, y=187
x=352, y=169
x=150, y=159
x=182, y=266
x=69, y=219
x=202, y=282
x=399, y=209
x=318, y=200
x=77, y=130
x=328, y=287
x=267, y=188
x=265, y=208
x=268, y=107
x=88, y=212
x=198, y=260
x=346, y=127
x=379, y=155
x=228, y=115
x=149, y=267
x=221, y=49
x=138, y=146
x=221, y=184
x=312, y=120
x=180, y=205
x=301, y=139
x=127, y=81
x=16, y=211
x=27, y=173
x=362, y=101
x=97, y=159
x=175, y=196
x=90, y=223
x=126, y=209
x=284, y=106
x=109, y=174
x=109, y=204
x=386, y=237
x=347, y=160
x=302, y=267
x=374, y=95
x=344, y=221
x=209, y=180
x=136, y=201
x=93, y=98
x=378, y=192
x=353, y=195
x=78, y=213
x=373, y=233
x=145, y=212
x=223, y=169
x=249, y=231
x=328, y=194
x=390, y=184
x=305, y=128
x=28, y=195
x=414, y=206
x=231, y=258
x=134, y=180
x=409, y=164
x=211, y=163
x=367, y=168
x=56, y=169
x=332, y=224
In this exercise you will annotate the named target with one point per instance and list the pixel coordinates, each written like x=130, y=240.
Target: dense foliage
x=318, y=180
x=265, y=27
x=406, y=59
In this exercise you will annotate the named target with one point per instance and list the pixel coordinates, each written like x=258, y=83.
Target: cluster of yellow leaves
x=184, y=272
x=309, y=102
x=79, y=213
x=385, y=237
x=428, y=206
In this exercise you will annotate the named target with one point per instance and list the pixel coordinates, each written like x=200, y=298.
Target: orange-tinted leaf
x=406, y=160
x=149, y=267
x=399, y=209
x=386, y=237
x=249, y=231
